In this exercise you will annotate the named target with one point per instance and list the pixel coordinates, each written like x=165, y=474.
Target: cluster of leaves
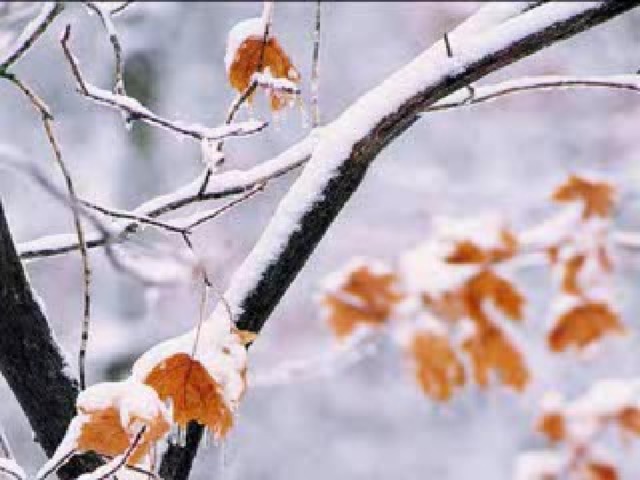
x=577, y=431
x=170, y=385
x=448, y=300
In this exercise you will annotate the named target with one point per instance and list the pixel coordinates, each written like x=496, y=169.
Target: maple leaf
x=202, y=374
x=490, y=350
x=582, y=325
x=113, y=417
x=487, y=285
x=249, y=57
x=570, y=275
x=193, y=392
x=438, y=369
x=598, y=197
x=364, y=298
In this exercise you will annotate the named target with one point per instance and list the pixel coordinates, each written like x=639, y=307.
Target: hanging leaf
x=438, y=369
x=583, y=325
x=363, y=297
x=491, y=351
x=598, y=198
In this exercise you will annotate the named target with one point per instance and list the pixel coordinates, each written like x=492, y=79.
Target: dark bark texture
x=30, y=359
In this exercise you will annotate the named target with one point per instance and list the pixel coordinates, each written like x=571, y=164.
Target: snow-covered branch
x=233, y=182
x=545, y=82
x=134, y=110
x=30, y=34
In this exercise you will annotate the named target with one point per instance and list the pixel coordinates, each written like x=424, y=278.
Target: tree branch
x=349, y=145
x=31, y=361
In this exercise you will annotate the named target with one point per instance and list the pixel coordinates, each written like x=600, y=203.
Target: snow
x=539, y=465
x=484, y=231
x=10, y=468
x=241, y=31
x=218, y=349
x=424, y=270
x=135, y=401
x=543, y=82
x=30, y=30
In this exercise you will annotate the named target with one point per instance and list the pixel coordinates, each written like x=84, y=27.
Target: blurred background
x=369, y=421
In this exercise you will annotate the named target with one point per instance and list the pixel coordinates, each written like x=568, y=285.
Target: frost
x=10, y=468
x=249, y=28
x=217, y=347
x=539, y=465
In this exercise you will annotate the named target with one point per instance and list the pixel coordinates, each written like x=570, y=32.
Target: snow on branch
x=134, y=110
x=233, y=182
x=545, y=82
x=31, y=33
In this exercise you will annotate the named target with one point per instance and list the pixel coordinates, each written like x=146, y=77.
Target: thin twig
x=136, y=111
x=219, y=211
x=47, y=121
x=111, y=212
x=315, y=70
x=31, y=33
x=120, y=8
x=490, y=92
x=107, y=22
x=119, y=462
x=267, y=18
x=59, y=464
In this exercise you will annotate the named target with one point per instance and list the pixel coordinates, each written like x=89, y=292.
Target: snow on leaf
x=193, y=393
x=245, y=56
x=466, y=251
x=438, y=369
x=201, y=374
x=363, y=296
x=109, y=417
x=598, y=197
x=582, y=325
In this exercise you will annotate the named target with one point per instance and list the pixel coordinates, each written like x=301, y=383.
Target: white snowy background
x=369, y=421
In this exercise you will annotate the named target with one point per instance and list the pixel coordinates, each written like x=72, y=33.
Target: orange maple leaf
x=598, y=197
x=438, y=369
x=193, y=392
x=487, y=285
x=490, y=350
x=366, y=298
x=247, y=60
x=583, y=325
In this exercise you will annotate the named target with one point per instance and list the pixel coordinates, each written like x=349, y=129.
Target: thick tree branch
x=353, y=141
x=31, y=361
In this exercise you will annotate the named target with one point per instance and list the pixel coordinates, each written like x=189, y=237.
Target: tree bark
x=30, y=359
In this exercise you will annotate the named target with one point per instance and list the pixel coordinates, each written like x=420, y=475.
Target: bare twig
x=31, y=33
x=120, y=8
x=47, y=121
x=315, y=70
x=136, y=111
x=106, y=471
